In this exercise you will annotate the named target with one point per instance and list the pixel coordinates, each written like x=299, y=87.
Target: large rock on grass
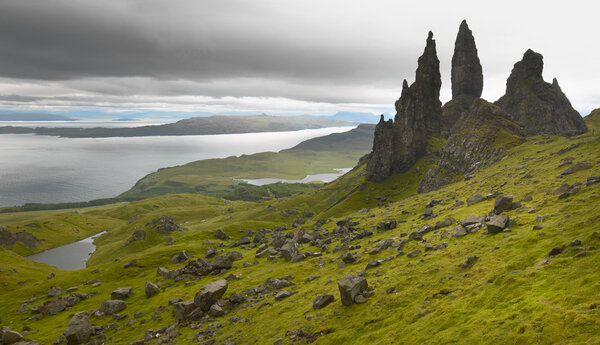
x=350, y=287
x=111, y=307
x=497, y=223
x=79, y=330
x=121, y=293
x=209, y=294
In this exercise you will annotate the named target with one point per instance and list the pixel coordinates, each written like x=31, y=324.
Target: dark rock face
x=467, y=76
x=480, y=138
x=400, y=143
x=542, y=108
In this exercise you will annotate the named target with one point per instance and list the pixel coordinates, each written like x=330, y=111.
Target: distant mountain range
x=194, y=126
x=34, y=117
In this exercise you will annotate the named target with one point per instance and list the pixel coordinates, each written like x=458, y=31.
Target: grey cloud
x=336, y=51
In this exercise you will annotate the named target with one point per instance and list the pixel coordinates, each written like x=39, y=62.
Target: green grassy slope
x=515, y=293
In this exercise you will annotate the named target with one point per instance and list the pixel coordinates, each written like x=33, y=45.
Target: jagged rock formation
x=400, y=143
x=467, y=76
x=480, y=138
x=542, y=108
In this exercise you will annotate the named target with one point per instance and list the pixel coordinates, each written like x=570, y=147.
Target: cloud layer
x=272, y=56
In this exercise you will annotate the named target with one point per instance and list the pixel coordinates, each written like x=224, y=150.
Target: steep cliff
x=541, y=107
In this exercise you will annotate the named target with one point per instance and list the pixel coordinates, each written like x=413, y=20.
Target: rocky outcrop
x=467, y=79
x=542, y=108
x=164, y=225
x=400, y=143
x=8, y=239
x=467, y=76
x=480, y=138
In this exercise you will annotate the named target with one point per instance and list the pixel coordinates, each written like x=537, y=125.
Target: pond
x=309, y=178
x=72, y=256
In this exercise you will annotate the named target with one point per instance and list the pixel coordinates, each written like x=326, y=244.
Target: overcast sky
x=276, y=56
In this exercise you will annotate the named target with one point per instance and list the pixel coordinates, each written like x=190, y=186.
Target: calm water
x=72, y=256
x=45, y=169
x=307, y=179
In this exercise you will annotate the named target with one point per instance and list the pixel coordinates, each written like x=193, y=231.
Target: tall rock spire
x=467, y=76
x=541, y=107
x=398, y=145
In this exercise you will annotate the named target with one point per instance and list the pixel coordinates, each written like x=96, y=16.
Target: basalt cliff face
x=398, y=144
x=542, y=108
x=478, y=133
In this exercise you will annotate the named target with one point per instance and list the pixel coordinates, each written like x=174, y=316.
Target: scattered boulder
x=576, y=167
x=348, y=258
x=181, y=310
x=474, y=199
x=290, y=251
x=138, y=235
x=350, y=287
x=54, y=291
x=322, y=301
x=503, y=203
x=414, y=253
x=222, y=235
x=470, y=220
x=469, y=262
x=79, y=330
x=151, y=289
x=282, y=295
x=209, y=294
x=8, y=336
x=164, y=225
x=497, y=223
x=121, y=293
x=180, y=257
x=459, y=231
x=216, y=310
x=130, y=263
x=111, y=307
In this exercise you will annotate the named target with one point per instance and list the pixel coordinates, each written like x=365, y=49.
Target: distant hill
x=34, y=117
x=213, y=177
x=355, y=117
x=194, y=126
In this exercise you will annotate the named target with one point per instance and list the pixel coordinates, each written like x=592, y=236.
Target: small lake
x=72, y=256
x=46, y=169
x=309, y=178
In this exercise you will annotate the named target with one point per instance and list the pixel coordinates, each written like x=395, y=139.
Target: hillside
x=534, y=283
x=218, y=124
x=214, y=177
